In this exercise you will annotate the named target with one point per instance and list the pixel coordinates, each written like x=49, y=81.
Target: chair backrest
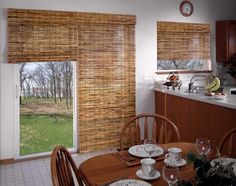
x=228, y=143
x=153, y=126
x=62, y=165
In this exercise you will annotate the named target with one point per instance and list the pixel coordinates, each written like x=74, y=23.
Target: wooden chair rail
x=61, y=165
x=162, y=128
x=228, y=143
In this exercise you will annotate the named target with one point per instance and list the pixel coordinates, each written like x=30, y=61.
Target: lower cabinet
x=195, y=118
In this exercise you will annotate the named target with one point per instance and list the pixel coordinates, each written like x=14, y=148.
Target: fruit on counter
x=216, y=94
x=220, y=93
x=214, y=85
x=211, y=84
x=219, y=96
x=217, y=86
x=173, y=77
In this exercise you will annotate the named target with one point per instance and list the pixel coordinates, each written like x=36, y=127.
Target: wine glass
x=170, y=174
x=203, y=146
x=150, y=146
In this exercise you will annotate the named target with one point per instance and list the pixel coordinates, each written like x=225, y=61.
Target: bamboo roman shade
x=104, y=47
x=37, y=36
x=183, y=41
x=106, y=83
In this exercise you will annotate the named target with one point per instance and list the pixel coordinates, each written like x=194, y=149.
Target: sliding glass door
x=46, y=102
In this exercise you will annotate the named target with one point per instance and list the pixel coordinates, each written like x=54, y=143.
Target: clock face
x=186, y=8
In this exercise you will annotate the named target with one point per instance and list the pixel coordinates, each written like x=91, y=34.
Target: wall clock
x=186, y=8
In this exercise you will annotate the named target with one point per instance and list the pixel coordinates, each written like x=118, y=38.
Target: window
x=183, y=46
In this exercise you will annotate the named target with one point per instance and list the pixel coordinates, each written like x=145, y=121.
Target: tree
x=25, y=78
x=42, y=81
x=50, y=69
x=50, y=79
x=67, y=82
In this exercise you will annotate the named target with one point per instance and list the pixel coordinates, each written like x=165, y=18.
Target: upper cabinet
x=225, y=40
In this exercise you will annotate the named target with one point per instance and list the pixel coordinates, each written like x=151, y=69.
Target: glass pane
x=46, y=106
x=194, y=64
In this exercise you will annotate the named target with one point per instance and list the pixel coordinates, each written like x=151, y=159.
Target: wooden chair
x=154, y=126
x=62, y=165
x=228, y=144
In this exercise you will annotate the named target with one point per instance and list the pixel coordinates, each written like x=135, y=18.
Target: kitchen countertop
x=229, y=102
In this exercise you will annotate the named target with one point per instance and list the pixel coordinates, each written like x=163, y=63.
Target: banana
x=217, y=86
x=211, y=84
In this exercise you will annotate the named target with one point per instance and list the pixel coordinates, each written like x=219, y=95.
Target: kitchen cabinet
x=195, y=118
x=225, y=40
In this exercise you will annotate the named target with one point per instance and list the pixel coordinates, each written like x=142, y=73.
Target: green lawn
x=42, y=132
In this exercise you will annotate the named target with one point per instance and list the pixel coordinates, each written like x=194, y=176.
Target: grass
x=43, y=126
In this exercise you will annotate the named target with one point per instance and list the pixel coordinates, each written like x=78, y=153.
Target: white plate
x=225, y=161
x=139, y=173
x=180, y=163
x=130, y=182
x=219, y=97
x=138, y=150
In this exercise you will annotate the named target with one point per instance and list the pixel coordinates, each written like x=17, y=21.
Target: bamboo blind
x=37, y=36
x=106, y=83
x=183, y=41
x=104, y=47
x=44, y=35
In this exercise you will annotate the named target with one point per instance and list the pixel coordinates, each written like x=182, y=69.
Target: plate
x=219, y=97
x=139, y=173
x=225, y=161
x=180, y=163
x=138, y=150
x=130, y=182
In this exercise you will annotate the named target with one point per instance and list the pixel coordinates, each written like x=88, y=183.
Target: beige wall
x=147, y=12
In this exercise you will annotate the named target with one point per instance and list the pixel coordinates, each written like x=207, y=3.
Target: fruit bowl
x=219, y=96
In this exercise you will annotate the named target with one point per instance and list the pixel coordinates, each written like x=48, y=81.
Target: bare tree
x=41, y=80
x=70, y=83
x=59, y=78
x=67, y=83
x=50, y=79
x=50, y=70
x=25, y=78
x=22, y=79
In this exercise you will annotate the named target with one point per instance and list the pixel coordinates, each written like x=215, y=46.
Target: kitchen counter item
x=173, y=80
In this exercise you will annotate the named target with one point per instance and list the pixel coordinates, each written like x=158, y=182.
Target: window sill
x=160, y=72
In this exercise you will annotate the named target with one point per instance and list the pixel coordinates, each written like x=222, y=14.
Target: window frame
x=16, y=117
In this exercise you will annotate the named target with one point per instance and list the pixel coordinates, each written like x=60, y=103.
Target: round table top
x=103, y=169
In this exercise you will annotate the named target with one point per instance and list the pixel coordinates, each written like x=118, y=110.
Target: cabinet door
x=221, y=41
x=225, y=40
x=195, y=118
x=232, y=38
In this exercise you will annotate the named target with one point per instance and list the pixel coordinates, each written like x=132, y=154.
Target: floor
x=35, y=172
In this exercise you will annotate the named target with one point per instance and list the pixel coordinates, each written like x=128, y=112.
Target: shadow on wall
x=227, y=75
x=145, y=94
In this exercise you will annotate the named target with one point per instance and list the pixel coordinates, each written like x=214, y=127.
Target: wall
x=0, y=82
x=148, y=12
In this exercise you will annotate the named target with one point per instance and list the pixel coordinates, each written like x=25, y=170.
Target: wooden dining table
x=104, y=169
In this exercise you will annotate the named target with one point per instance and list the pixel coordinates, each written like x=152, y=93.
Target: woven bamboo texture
x=183, y=41
x=106, y=83
x=104, y=47
x=44, y=35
